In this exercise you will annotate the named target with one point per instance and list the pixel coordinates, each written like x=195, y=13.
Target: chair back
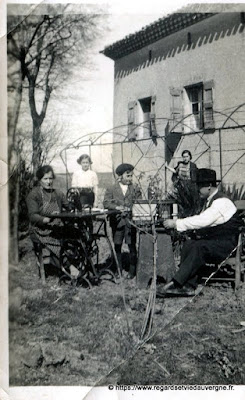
x=240, y=205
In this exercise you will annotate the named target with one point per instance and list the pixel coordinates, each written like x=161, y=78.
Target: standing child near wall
x=121, y=197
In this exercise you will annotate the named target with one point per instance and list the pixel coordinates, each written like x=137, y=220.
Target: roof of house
x=151, y=33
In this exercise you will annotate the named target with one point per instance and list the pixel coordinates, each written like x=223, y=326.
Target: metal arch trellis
x=233, y=112
x=88, y=140
x=229, y=117
x=120, y=137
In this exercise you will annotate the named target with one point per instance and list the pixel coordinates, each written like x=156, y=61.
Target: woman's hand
x=169, y=168
x=46, y=220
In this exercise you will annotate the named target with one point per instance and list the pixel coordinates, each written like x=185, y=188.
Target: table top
x=82, y=214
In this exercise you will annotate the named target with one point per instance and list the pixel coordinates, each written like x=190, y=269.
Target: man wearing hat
x=216, y=229
x=121, y=197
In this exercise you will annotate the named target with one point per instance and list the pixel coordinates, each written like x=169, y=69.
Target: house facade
x=179, y=83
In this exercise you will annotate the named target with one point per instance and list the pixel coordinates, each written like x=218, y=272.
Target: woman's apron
x=49, y=236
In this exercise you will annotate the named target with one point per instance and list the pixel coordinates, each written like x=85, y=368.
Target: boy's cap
x=124, y=168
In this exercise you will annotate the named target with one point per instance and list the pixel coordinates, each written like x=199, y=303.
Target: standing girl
x=87, y=181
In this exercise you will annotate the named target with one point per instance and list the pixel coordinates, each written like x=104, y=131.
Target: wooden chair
x=38, y=249
x=233, y=269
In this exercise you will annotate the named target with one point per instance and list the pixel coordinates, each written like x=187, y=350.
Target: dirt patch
x=64, y=335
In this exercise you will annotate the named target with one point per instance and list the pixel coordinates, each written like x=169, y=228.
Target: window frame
x=194, y=120
x=146, y=117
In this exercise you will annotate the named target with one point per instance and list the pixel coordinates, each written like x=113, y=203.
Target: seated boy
x=121, y=196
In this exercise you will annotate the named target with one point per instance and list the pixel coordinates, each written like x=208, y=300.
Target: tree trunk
x=13, y=162
x=14, y=241
x=13, y=116
x=36, y=146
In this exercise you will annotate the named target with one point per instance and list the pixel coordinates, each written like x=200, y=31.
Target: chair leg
x=238, y=263
x=41, y=266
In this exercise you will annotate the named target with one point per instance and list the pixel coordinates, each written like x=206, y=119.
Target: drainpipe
x=220, y=155
x=66, y=170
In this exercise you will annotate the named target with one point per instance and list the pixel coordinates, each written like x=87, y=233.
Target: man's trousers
x=196, y=253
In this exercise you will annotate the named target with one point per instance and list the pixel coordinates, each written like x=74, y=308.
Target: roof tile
x=155, y=31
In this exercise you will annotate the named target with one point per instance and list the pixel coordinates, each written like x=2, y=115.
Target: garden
x=66, y=335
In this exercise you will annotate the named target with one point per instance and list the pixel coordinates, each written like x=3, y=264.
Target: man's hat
x=124, y=168
x=206, y=176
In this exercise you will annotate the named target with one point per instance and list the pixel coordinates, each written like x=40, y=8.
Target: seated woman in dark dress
x=43, y=200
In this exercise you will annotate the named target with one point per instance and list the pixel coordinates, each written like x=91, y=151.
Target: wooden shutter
x=171, y=142
x=153, y=130
x=208, y=114
x=132, y=120
x=176, y=110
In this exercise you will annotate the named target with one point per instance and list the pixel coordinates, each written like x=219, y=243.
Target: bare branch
x=48, y=47
x=35, y=33
x=15, y=51
x=48, y=90
x=54, y=42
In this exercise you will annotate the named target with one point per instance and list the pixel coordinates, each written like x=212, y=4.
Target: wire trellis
x=153, y=147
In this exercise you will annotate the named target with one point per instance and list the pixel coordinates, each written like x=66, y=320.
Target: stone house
x=179, y=83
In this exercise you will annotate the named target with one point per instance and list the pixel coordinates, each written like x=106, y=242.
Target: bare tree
x=51, y=142
x=43, y=49
x=47, y=47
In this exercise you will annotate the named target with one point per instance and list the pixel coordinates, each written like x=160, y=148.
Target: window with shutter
x=208, y=114
x=176, y=110
x=146, y=118
x=198, y=107
x=193, y=107
x=132, y=120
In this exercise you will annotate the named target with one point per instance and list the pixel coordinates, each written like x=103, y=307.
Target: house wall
x=217, y=53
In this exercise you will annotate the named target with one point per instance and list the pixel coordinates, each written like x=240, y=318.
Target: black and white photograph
x=122, y=200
